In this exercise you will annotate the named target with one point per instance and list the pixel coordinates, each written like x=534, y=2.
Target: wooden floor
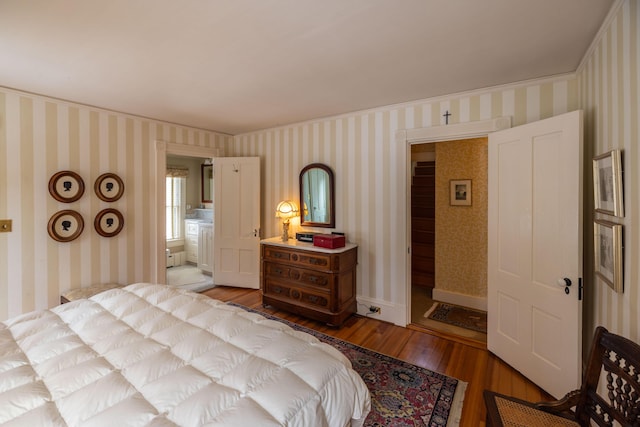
x=476, y=366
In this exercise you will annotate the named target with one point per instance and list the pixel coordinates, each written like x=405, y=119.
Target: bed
x=151, y=355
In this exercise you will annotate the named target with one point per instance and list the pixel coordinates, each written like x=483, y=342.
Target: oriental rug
x=402, y=394
x=456, y=315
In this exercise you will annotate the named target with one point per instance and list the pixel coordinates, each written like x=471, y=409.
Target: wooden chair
x=613, y=359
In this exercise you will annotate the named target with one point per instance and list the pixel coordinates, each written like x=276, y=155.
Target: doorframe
x=163, y=148
x=407, y=137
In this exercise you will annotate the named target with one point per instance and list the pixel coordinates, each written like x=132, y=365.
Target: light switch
x=5, y=225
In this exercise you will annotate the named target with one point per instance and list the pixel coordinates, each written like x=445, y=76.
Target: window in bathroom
x=175, y=201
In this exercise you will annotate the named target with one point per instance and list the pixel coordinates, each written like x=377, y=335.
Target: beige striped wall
x=41, y=136
x=609, y=82
x=370, y=169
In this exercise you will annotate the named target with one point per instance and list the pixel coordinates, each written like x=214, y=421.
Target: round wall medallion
x=66, y=186
x=108, y=222
x=65, y=226
x=109, y=187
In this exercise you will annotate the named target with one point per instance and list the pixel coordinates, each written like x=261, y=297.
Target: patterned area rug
x=402, y=394
x=468, y=318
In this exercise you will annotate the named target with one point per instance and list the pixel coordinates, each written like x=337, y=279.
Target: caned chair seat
x=613, y=359
x=516, y=413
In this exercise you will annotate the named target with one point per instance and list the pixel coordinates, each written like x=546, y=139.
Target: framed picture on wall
x=607, y=183
x=65, y=226
x=108, y=222
x=460, y=192
x=607, y=245
x=109, y=187
x=66, y=186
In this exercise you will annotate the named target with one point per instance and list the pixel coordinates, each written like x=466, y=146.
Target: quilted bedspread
x=151, y=355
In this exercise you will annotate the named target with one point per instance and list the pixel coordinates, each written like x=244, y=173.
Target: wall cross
x=446, y=117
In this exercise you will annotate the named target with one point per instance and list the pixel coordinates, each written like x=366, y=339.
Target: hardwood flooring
x=476, y=366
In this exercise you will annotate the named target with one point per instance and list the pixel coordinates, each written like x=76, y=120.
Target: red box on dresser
x=330, y=241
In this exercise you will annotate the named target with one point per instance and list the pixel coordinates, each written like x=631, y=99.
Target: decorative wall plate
x=109, y=187
x=65, y=226
x=66, y=186
x=108, y=222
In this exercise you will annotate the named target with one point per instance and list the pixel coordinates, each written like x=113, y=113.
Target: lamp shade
x=286, y=210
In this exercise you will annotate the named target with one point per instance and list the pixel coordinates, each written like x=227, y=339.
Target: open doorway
x=163, y=151
x=448, y=231
x=458, y=232
x=189, y=222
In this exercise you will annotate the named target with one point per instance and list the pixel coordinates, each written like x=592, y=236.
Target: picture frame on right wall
x=607, y=245
x=607, y=183
x=460, y=192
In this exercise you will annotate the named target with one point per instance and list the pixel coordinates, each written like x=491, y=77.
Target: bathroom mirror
x=206, y=175
x=317, y=200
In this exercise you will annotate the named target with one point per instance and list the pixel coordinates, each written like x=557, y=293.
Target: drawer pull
x=277, y=270
x=317, y=300
x=316, y=280
x=317, y=261
x=278, y=255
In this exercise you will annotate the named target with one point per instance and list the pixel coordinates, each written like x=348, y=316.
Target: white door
x=205, y=247
x=535, y=242
x=236, y=221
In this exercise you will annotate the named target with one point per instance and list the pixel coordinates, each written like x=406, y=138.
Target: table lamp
x=286, y=210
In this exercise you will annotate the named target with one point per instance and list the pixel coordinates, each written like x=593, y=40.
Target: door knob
x=564, y=282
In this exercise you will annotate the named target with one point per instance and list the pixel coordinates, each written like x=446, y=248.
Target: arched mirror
x=317, y=200
x=206, y=174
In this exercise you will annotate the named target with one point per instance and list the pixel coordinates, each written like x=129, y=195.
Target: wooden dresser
x=310, y=281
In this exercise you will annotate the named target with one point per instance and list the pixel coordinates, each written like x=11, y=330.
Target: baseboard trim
x=479, y=303
x=392, y=313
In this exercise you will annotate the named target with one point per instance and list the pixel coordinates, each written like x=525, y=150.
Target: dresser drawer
x=191, y=228
x=303, y=258
x=303, y=295
x=314, y=282
x=298, y=275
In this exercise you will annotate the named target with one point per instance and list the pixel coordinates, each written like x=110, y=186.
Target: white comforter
x=150, y=355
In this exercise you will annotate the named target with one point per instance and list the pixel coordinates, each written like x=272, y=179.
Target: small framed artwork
x=65, y=226
x=109, y=187
x=607, y=245
x=460, y=192
x=108, y=222
x=66, y=186
x=607, y=183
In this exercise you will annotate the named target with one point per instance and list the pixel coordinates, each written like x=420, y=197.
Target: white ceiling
x=240, y=65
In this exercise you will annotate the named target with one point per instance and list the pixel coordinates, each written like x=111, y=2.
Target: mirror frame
x=331, y=197
x=202, y=198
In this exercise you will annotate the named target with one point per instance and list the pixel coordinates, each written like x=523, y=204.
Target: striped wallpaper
x=370, y=167
x=609, y=82
x=41, y=136
x=370, y=170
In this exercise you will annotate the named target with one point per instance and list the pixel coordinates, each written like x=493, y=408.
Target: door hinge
x=579, y=288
